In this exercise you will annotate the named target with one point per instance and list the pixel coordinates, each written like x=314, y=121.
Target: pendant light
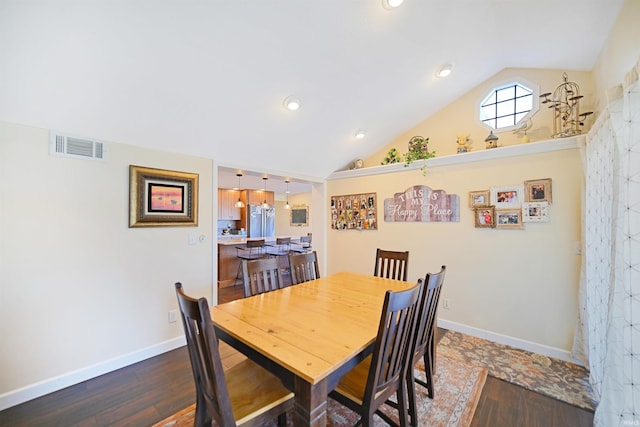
x=287, y=193
x=265, y=205
x=239, y=203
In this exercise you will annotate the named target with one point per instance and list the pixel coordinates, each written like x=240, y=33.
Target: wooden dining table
x=309, y=334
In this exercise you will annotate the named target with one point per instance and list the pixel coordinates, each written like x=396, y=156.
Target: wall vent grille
x=71, y=146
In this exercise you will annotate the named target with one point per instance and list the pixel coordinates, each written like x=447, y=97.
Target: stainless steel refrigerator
x=260, y=221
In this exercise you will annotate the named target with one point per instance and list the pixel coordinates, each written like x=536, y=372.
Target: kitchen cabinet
x=257, y=197
x=227, y=209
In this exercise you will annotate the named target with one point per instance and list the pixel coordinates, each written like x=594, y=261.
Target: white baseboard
x=16, y=397
x=510, y=341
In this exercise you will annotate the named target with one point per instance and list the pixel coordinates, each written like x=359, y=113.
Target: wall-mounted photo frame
x=478, y=198
x=538, y=190
x=509, y=218
x=162, y=198
x=299, y=216
x=535, y=212
x=485, y=216
x=507, y=197
x=354, y=212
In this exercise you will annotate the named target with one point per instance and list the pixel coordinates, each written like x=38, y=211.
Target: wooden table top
x=312, y=328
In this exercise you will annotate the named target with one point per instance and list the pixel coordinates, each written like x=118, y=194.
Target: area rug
x=545, y=375
x=457, y=384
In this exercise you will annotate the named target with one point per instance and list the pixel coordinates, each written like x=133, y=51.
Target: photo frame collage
x=354, y=212
x=512, y=206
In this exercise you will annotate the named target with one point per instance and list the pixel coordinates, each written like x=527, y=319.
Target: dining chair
x=382, y=374
x=391, y=264
x=260, y=276
x=253, y=249
x=424, y=338
x=243, y=395
x=303, y=267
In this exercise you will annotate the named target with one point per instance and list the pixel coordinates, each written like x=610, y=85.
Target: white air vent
x=71, y=146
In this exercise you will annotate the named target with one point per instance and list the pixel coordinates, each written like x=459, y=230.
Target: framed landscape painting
x=162, y=198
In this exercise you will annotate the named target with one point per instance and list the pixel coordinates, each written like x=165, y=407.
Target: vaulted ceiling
x=208, y=78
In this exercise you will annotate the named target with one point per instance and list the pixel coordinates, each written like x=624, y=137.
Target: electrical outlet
x=173, y=316
x=446, y=304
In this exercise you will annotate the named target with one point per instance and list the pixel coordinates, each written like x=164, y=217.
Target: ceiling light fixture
x=239, y=203
x=445, y=70
x=287, y=206
x=391, y=4
x=265, y=205
x=360, y=134
x=291, y=103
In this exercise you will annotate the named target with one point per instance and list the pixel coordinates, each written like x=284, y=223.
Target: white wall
x=82, y=293
x=521, y=284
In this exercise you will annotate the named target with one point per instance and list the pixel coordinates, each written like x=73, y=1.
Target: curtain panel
x=608, y=335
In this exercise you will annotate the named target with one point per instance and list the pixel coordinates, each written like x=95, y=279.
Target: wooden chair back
x=424, y=343
x=303, y=267
x=260, y=276
x=391, y=264
x=245, y=394
x=212, y=399
x=386, y=369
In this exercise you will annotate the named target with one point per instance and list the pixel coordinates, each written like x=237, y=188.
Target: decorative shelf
x=525, y=149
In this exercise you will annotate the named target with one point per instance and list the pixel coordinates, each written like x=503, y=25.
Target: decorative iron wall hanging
x=354, y=212
x=422, y=204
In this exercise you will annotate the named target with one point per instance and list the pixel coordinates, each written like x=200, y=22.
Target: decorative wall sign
x=421, y=204
x=354, y=212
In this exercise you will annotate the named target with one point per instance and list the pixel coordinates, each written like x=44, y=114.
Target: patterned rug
x=457, y=384
x=545, y=375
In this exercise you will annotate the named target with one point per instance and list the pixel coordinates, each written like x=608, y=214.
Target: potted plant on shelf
x=418, y=150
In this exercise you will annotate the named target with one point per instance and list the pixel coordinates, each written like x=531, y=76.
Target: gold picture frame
x=485, y=216
x=478, y=198
x=538, y=190
x=162, y=198
x=509, y=218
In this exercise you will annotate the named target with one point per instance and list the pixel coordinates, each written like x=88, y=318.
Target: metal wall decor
x=567, y=118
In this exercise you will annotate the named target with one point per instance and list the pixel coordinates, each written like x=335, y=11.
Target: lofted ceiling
x=208, y=78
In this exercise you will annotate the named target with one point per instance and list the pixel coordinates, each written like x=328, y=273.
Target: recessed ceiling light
x=360, y=134
x=445, y=70
x=291, y=103
x=391, y=4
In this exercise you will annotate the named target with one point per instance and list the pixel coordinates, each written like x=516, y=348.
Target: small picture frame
x=535, y=212
x=508, y=197
x=478, y=198
x=485, y=216
x=162, y=198
x=538, y=190
x=509, y=218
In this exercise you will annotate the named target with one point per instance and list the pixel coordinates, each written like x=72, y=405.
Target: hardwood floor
x=151, y=390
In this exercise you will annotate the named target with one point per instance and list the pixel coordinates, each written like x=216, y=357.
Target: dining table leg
x=310, y=408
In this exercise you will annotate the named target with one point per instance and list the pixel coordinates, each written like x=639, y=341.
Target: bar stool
x=254, y=249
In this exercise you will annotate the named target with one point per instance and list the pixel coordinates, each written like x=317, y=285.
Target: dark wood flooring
x=149, y=391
